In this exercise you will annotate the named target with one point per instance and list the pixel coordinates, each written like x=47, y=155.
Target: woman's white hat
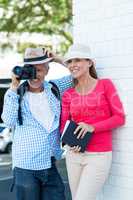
x=36, y=56
x=78, y=51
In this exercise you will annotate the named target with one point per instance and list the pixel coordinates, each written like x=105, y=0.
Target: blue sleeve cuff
x=11, y=94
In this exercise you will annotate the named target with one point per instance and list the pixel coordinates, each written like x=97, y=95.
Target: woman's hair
x=92, y=72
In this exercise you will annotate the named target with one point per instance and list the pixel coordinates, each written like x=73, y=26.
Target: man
x=36, y=142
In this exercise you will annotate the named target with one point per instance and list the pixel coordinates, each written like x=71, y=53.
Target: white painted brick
x=126, y=159
x=114, y=73
x=123, y=146
x=118, y=193
x=117, y=47
x=125, y=171
x=124, y=85
x=114, y=61
x=129, y=111
x=124, y=182
x=129, y=122
x=123, y=133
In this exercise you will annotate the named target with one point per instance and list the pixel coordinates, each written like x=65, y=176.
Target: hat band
x=35, y=59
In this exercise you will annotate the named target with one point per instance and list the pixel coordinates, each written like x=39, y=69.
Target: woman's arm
x=118, y=116
x=65, y=109
x=63, y=83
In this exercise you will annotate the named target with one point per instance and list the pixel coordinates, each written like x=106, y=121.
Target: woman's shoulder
x=105, y=80
x=107, y=83
x=67, y=95
x=69, y=90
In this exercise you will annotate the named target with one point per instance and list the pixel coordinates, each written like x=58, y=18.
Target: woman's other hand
x=82, y=129
x=75, y=149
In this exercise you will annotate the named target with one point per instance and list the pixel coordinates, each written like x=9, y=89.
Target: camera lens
x=17, y=70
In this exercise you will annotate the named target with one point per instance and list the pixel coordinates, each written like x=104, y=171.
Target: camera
x=26, y=72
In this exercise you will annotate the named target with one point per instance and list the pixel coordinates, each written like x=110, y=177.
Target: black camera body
x=26, y=72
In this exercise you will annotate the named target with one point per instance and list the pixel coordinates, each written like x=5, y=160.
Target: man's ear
x=47, y=70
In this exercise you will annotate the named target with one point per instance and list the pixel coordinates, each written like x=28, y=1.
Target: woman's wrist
x=91, y=128
x=58, y=59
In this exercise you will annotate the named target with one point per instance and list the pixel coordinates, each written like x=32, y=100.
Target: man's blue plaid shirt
x=32, y=145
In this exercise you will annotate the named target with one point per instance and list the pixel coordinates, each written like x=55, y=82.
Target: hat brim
x=73, y=57
x=39, y=61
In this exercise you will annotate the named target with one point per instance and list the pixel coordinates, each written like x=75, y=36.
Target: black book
x=68, y=137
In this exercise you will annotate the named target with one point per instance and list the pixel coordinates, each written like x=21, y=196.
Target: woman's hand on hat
x=58, y=59
x=48, y=53
x=53, y=55
x=15, y=82
x=82, y=129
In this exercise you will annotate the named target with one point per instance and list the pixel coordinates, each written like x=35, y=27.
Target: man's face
x=41, y=72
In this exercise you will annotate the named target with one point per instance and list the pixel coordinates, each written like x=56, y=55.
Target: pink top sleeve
x=65, y=114
x=118, y=116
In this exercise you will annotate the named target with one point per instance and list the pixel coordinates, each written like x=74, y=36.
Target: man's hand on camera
x=15, y=82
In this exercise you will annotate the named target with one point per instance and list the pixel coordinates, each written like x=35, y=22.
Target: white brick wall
x=107, y=26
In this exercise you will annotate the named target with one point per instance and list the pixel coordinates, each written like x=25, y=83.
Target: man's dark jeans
x=38, y=184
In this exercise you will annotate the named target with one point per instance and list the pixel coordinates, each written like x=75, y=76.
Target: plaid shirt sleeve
x=10, y=108
x=63, y=83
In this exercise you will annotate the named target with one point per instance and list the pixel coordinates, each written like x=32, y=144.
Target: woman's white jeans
x=87, y=173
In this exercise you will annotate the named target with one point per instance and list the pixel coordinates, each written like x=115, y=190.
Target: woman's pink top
x=100, y=108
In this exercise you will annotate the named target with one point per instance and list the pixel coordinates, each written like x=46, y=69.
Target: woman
x=94, y=104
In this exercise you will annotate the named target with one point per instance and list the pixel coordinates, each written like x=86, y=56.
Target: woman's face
x=79, y=67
